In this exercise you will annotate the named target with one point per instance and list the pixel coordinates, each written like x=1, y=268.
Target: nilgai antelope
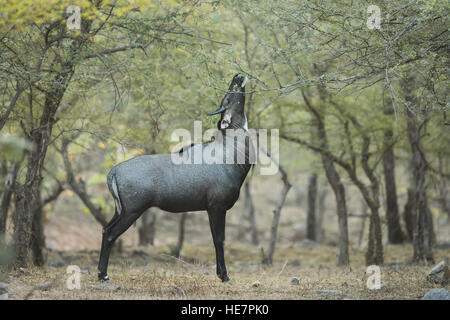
x=156, y=181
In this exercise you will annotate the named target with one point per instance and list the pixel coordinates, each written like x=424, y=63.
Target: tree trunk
x=430, y=223
x=408, y=214
x=442, y=188
x=181, y=228
x=6, y=196
x=147, y=229
x=363, y=222
x=321, y=212
x=37, y=241
x=374, y=254
x=422, y=239
x=311, y=210
x=276, y=216
x=251, y=213
x=335, y=181
x=28, y=196
x=341, y=208
x=79, y=187
x=395, y=234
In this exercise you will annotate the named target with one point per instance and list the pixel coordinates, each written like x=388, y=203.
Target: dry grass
x=149, y=273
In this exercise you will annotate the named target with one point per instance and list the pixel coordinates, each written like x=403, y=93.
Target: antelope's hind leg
x=118, y=225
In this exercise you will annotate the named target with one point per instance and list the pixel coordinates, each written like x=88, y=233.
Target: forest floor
x=151, y=273
x=73, y=237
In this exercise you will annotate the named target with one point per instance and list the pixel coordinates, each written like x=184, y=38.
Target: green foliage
x=13, y=146
x=179, y=56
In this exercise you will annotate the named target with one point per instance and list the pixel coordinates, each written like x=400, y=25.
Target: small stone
x=4, y=291
x=440, y=274
x=329, y=292
x=256, y=284
x=107, y=287
x=437, y=294
x=295, y=281
x=3, y=288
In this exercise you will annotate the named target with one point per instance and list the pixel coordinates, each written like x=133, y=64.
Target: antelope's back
x=155, y=181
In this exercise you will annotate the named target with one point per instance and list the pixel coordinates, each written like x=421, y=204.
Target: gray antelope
x=157, y=181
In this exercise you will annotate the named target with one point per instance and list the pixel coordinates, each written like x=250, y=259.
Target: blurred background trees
x=358, y=108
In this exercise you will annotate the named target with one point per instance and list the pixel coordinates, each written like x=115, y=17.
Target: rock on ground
x=437, y=294
x=440, y=274
x=4, y=291
x=295, y=281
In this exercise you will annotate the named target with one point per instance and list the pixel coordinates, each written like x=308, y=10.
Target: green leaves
x=12, y=147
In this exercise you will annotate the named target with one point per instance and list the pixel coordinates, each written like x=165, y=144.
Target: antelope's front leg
x=217, y=224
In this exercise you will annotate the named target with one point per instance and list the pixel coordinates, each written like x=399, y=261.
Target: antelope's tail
x=112, y=185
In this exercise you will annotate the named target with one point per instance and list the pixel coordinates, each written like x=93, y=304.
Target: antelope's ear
x=244, y=82
x=239, y=79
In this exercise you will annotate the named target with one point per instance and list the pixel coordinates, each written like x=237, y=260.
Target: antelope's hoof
x=103, y=277
x=225, y=279
x=228, y=282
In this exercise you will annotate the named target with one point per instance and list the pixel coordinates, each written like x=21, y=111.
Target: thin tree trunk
x=251, y=213
x=443, y=190
x=443, y=199
x=181, y=230
x=311, y=210
x=37, y=241
x=268, y=259
x=6, y=196
x=422, y=239
x=321, y=213
x=395, y=234
x=28, y=198
x=332, y=176
x=333, y=179
x=147, y=229
x=363, y=222
x=341, y=208
x=79, y=187
x=374, y=254
x=408, y=214
x=28, y=195
x=430, y=223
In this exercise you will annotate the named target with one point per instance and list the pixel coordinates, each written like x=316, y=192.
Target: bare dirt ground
x=73, y=238
x=150, y=273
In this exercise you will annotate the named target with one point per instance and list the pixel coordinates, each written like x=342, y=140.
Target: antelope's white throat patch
x=226, y=120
